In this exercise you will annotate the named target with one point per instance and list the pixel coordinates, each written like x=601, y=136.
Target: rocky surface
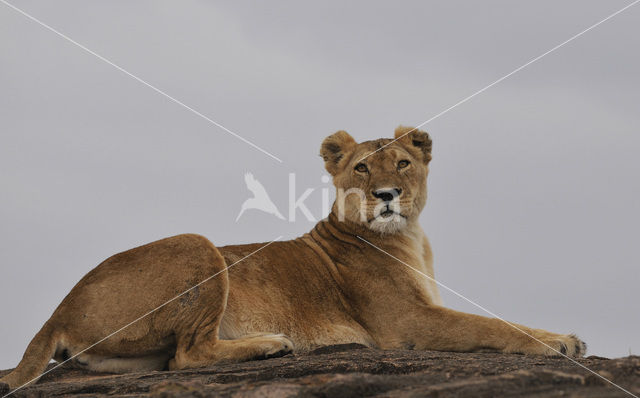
x=355, y=371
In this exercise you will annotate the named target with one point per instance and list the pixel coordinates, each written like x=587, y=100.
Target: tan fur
x=325, y=287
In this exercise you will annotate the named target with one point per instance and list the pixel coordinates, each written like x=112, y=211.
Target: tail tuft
x=4, y=389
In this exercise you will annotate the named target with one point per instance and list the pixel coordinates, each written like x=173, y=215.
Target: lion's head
x=380, y=184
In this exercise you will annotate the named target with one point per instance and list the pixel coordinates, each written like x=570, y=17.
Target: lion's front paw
x=551, y=344
x=570, y=345
x=273, y=346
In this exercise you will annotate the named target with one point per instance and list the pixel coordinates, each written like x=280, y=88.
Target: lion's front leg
x=439, y=328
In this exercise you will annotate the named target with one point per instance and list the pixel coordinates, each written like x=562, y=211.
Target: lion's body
x=322, y=292
x=347, y=281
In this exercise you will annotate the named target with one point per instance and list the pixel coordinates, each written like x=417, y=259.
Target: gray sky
x=532, y=208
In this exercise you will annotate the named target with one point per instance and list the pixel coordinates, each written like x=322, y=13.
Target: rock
x=356, y=371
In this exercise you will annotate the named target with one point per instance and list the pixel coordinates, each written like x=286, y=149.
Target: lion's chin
x=389, y=224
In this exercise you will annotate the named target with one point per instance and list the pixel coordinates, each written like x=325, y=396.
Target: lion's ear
x=334, y=148
x=417, y=139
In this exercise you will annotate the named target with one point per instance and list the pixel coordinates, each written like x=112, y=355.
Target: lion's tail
x=35, y=359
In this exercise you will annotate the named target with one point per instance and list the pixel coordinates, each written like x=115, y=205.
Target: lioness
x=332, y=285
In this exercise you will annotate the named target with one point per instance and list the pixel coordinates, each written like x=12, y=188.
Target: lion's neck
x=355, y=255
x=339, y=238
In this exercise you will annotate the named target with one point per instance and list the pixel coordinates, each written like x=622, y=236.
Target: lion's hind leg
x=211, y=352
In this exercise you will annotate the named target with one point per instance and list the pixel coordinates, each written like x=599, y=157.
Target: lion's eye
x=361, y=168
x=403, y=163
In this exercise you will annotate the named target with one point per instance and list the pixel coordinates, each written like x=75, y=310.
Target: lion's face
x=382, y=191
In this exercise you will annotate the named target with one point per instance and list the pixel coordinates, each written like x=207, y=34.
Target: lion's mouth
x=386, y=214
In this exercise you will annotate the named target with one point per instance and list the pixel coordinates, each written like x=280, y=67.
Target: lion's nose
x=387, y=194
